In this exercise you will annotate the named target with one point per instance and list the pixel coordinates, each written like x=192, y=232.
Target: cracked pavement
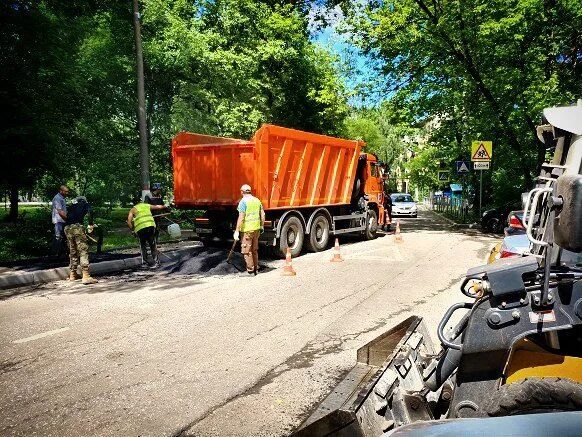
x=161, y=354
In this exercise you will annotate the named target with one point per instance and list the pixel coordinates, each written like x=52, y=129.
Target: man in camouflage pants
x=77, y=240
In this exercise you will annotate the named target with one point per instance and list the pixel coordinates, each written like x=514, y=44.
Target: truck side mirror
x=568, y=221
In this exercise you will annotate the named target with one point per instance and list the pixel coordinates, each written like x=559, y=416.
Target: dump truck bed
x=287, y=168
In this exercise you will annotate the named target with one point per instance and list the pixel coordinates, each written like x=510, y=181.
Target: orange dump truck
x=311, y=186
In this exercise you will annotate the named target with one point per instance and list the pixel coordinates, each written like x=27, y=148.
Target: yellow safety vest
x=143, y=218
x=252, y=220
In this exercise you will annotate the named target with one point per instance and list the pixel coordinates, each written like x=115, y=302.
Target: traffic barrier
x=288, y=269
x=337, y=257
x=397, y=234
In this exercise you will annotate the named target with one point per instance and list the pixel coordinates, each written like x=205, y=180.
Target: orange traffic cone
x=397, y=234
x=288, y=269
x=337, y=257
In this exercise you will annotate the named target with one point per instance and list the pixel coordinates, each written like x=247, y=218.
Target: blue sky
x=360, y=71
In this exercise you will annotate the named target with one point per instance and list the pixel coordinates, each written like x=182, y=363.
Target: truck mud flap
x=384, y=389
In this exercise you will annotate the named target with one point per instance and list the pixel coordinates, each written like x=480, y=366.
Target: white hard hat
x=246, y=188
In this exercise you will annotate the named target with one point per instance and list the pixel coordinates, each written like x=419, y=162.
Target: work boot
x=87, y=279
x=73, y=275
x=155, y=265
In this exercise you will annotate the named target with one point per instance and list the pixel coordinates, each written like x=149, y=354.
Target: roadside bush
x=30, y=236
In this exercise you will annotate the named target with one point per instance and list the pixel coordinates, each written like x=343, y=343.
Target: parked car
x=493, y=220
x=403, y=205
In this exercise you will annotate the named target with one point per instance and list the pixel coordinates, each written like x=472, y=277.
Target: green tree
x=215, y=67
x=486, y=69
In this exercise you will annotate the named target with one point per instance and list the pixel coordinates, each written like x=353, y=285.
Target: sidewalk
x=21, y=274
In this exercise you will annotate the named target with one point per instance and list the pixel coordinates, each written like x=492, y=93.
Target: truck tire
x=292, y=236
x=371, y=225
x=318, y=234
x=535, y=395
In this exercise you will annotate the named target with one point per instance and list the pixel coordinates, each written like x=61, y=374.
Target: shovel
x=230, y=254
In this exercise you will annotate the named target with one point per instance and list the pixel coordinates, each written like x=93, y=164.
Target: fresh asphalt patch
x=212, y=262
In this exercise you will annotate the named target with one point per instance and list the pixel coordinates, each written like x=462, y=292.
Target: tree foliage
x=485, y=69
x=220, y=67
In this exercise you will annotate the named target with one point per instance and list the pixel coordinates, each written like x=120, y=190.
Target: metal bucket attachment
x=382, y=390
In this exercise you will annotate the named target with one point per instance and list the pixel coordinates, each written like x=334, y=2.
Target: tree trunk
x=13, y=214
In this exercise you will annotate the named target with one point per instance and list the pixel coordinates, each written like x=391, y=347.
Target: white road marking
x=41, y=335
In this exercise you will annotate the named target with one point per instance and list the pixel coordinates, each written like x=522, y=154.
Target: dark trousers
x=59, y=240
x=147, y=237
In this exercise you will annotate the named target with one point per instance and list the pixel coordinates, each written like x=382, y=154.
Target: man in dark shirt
x=387, y=210
x=77, y=240
x=59, y=213
x=156, y=199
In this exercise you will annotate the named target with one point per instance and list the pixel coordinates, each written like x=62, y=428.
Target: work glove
x=236, y=235
x=90, y=229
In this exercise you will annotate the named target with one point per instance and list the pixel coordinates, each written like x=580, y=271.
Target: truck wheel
x=319, y=234
x=371, y=225
x=535, y=395
x=292, y=235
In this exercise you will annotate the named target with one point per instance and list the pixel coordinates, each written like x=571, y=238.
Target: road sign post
x=481, y=153
x=480, y=194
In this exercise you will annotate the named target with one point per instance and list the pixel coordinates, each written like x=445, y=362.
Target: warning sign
x=463, y=167
x=443, y=176
x=481, y=151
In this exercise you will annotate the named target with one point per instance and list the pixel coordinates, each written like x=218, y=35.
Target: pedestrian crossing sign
x=463, y=167
x=443, y=176
x=481, y=151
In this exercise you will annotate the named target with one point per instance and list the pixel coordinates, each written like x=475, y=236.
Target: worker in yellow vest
x=141, y=221
x=251, y=221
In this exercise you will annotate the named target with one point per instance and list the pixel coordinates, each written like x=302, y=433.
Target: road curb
x=452, y=222
x=97, y=269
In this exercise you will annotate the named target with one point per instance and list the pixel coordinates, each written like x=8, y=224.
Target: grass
x=118, y=240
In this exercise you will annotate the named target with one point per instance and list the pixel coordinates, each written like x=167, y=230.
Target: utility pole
x=144, y=155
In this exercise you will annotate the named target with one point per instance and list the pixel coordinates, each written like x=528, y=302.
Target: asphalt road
x=154, y=354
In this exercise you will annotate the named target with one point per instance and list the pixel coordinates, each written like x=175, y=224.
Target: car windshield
x=402, y=198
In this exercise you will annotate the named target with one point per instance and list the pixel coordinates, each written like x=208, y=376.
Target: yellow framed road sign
x=481, y=151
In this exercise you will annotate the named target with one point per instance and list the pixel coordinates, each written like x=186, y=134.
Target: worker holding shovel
x=251, y=219
x=141, y=221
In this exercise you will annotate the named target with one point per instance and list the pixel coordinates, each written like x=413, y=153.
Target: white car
x=403, y=204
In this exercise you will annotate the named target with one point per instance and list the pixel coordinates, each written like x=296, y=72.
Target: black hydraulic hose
x=547, y=266
x=450, y=358
x=445, y=367
x=445, y=320
x=460, y=326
